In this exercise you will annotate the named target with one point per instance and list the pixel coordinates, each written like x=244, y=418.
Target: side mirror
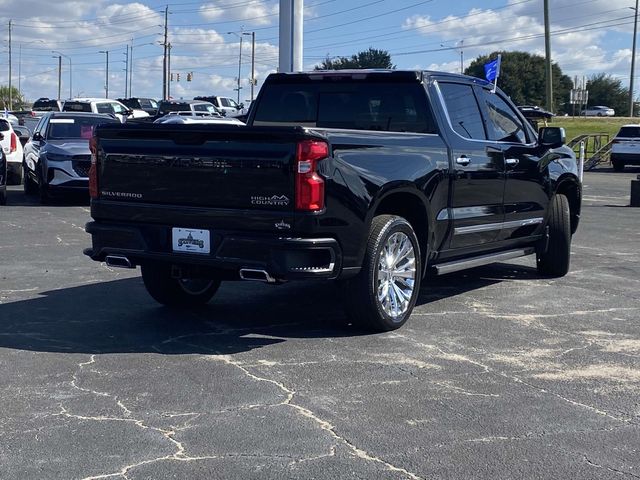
x=37, y=137
x=551, y=137
x=240, y=106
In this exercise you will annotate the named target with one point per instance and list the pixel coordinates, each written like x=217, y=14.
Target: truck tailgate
x=199, y=165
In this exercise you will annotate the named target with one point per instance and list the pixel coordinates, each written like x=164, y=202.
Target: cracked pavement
x=499, y=374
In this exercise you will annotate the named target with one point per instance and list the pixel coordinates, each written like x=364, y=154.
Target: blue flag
x=492, y=70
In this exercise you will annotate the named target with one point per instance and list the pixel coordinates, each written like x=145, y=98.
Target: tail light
x=310, y=185
x=93, y=170
x=14, y=142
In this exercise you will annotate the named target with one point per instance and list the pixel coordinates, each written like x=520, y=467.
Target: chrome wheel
x=396, y=275
x=195, y=286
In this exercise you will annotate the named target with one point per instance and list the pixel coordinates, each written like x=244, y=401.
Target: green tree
x=607, y=90
x=522, y=77
x=16, y=97
x=372, y=58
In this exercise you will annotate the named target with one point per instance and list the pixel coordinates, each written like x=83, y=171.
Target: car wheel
x=3, y=196
x=28, y=185
x=618, y=166
x=176, y=292
x=43, y=191
x=554, y=262
x=382, y=296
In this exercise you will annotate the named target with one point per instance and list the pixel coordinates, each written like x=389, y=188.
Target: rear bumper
x=627, y=158
x=282, y=258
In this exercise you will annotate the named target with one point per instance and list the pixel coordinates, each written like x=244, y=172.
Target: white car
x=183, y=118
x=598, y=111
x=103, y=105
x=12, y=149
x=625, y=149
x=226, y=105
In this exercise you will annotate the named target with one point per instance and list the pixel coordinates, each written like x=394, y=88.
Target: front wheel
x=28, y=185
x=383, y=294
x=554, y=262
x=178, y=292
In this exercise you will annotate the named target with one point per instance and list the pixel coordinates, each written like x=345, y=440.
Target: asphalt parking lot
x=499, y=374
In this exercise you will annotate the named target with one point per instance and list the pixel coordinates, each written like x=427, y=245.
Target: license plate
x=190, y=240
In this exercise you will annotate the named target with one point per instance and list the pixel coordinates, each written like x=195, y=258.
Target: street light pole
x=59, y=57
x=70, y=74
x=106, y=83
x=633, y=60
x=547, y=49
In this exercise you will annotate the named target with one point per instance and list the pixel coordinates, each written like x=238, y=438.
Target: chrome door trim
x=487, y=227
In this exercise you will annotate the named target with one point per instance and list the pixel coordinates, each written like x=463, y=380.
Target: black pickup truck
x=371, y=178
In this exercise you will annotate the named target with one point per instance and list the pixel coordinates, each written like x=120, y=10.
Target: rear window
x=76, y=107
x=175, y=107
x=4, y=126
x=396, y=107
x=629, y=132
x=46, y=106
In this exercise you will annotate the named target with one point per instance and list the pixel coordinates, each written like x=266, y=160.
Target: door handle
x=463, y=161
x=511, y=162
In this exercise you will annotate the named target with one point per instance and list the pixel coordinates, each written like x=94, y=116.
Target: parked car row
x=55, y=159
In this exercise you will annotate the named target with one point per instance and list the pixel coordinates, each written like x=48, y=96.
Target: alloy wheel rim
x=396, y=275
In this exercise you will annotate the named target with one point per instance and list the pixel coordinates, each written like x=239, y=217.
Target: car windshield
x=74, y=128
x=627, y=132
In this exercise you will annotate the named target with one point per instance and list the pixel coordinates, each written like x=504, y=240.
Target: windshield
x=74, y=128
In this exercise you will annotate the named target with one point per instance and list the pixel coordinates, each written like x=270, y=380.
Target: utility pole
x=106, y=83
x=169, y=72
x=239, y=68
x=461, y=57
x=164, y=57
x=131, y=68
x=10, y=92
x=633, y=61
x=253, y=62
x=547, y=49
x=126, y=71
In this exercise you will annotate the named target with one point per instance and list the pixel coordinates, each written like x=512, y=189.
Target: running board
x=457, y=265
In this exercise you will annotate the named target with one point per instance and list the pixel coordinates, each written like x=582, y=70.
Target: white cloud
x=255, y=12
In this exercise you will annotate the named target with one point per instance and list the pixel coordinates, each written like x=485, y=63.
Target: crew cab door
x=525, y=196
x=477, y=171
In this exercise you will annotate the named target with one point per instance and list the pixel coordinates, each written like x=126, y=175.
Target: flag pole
x=495, y=82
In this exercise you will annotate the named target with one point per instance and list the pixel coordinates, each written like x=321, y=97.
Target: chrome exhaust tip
x=118, y=261
x=251, y=274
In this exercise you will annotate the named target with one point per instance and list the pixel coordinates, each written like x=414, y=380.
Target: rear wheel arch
x=410, y=205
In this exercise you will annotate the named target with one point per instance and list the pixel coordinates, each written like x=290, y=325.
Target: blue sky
x=590, y=36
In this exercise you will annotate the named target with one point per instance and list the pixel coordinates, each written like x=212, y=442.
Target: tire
x=555, y=261
x=43, y=191
x=365, y=300
x=3, y=196
x=28, y=185
x=618, y=165
x=175, y=292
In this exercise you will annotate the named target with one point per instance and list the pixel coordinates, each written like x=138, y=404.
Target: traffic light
x=178, y=77
x=172, y=77
x=189, y=76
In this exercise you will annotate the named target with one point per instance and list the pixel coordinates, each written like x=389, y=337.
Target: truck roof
x=379, y=74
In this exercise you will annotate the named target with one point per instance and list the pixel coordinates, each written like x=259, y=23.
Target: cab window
x=463, y=110
x=503, y=123
x=104, y=108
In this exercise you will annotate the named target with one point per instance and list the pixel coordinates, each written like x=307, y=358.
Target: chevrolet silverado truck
x=374, y=179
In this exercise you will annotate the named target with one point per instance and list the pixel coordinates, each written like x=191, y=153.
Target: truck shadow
x=119, y=316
